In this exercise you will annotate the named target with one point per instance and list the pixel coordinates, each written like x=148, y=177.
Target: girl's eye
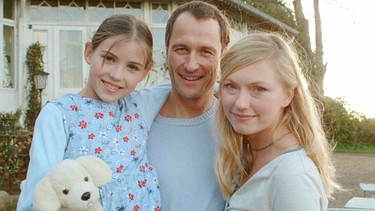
x=108, y=59
x=134, y=68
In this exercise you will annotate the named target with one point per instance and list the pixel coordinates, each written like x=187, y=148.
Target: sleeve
x=300, y=192
x=47, y=149
x=151, y=100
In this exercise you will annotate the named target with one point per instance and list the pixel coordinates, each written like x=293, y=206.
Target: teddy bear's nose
x=85, y=196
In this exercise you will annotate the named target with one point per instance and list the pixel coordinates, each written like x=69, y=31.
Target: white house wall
x=11, y=99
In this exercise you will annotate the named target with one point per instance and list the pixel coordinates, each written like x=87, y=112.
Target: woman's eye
x=229, y=86
x=260, y=89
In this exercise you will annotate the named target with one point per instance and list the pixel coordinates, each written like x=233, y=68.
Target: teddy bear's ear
x=45, y=198
x=98, y=169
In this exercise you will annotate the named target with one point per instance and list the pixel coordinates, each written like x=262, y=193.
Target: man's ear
x=88, y=52
x=166, y=57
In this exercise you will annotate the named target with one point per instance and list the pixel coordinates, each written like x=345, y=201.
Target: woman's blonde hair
x=302, y=117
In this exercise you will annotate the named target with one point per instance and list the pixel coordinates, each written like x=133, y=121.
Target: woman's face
x=253, y=98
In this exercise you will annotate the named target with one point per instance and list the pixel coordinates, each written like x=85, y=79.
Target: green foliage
x=34, y=62
x=8, y=120
x=275, y=9
x=349, y=130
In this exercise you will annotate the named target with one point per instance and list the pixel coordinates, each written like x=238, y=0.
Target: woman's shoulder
x=294, y=163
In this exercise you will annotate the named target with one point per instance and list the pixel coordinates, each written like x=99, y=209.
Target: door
x=70, y=67
x=63, y=58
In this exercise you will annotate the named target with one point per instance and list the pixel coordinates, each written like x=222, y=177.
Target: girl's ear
x=288, y=98
x=145, y=72
x=88, y=52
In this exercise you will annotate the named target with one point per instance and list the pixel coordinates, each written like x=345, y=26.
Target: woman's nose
x=243, y=100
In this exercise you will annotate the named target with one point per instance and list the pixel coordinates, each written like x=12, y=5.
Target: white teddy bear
x=72, y=185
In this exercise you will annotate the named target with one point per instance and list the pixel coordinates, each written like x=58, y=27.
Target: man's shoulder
x=153, y=94
x=159, y=88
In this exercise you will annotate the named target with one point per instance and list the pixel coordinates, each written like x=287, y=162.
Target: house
x=63, y=26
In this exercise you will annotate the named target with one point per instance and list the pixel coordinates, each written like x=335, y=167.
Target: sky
x=349, y=51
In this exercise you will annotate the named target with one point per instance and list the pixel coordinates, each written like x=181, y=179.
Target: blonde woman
x=274, y=155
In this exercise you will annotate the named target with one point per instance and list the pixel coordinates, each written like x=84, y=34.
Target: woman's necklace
x=263, y=148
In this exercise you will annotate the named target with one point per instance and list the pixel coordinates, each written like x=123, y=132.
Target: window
x=72, y=10
x=99, y=10
x=158, y=18
x=81, y=10
x=159, y=13
x=44, y=10
x=8, y=9
x=8, y=60
x=70, y=59
x=7, y=22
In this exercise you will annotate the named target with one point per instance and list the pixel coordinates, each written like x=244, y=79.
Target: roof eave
x=264, y=16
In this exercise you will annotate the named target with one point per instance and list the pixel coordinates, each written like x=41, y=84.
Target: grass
x=370, y=149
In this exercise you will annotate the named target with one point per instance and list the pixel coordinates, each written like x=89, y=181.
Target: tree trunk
x=320, y=68
x=313, y=74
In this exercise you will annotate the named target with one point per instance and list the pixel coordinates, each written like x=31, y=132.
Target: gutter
x=264, y=16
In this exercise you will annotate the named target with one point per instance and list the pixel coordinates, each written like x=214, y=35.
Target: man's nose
x=191, y=63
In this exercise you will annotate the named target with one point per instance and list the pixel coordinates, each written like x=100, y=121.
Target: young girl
x=274, y=154
x=102, y=119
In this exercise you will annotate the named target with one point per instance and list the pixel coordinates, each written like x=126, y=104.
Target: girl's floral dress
x=116, y=133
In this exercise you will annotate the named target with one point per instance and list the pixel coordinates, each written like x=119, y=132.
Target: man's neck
x=183, y=108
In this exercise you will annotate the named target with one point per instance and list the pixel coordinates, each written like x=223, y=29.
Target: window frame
x=9, y=23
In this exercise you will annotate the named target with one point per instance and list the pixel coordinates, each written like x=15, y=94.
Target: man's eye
x=208, y=52
x=181, y=49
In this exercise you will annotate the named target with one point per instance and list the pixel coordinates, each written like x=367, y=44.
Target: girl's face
x=116, y=74
x=253, y=98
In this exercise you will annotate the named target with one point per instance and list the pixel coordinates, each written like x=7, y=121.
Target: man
x=181, y=145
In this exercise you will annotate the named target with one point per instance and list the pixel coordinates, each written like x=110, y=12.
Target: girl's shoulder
x=67, y=98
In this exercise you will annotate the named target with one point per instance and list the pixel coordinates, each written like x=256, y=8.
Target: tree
x=34, y=62
x=315, y=68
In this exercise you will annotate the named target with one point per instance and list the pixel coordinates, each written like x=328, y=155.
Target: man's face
x=193, y=56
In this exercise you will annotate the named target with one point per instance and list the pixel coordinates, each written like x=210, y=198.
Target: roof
x=242, y=12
